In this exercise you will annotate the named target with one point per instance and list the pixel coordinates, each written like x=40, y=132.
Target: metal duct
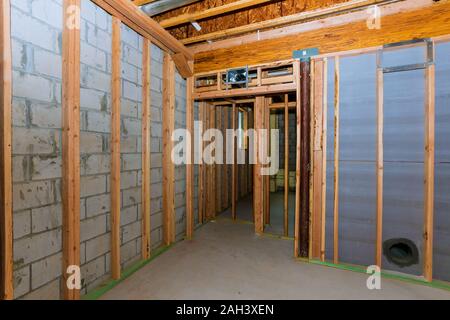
x=157, y=7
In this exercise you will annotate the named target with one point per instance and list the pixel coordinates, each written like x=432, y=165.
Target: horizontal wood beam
x=426, y=22
x=314, y=24
x=295, y=18
x=143, y=2
x=184, y=67
x=278, y=88
x=211, y=12
x=137, y=20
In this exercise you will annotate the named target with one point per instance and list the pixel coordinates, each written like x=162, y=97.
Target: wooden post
x=115, y=148
x=168, y=165
x=429, y=169
x=324, y=158
x=380, y=162
x=305, y=157
x=258, y=180
x=336, y=159
x=267, y=178
x=201, y=167
x=298, y=195
x=234, y=168
x=146, y=150
x=6, y=215
x=211, y=193
x=71, y=142
x=225, y=166
x=209, y=176
x=317, y=180
x=286, y=165
x=190, y=166
x=217, y=167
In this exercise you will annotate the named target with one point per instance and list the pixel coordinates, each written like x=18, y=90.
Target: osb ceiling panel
x=259, y=13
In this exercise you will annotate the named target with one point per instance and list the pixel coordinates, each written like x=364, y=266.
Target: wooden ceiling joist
x=212, y=12
x=185, y=68
x=137, y=20
x=295, y=18
x=424, y=22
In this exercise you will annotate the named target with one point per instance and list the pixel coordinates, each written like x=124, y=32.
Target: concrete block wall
x=131, y=135
x=95, y=118
x=180, y=170
x=156, y=147
x=36, y=39
x=36, y=45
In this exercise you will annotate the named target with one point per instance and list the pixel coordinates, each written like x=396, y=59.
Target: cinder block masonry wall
x=36, y=41
x=95, y=119
x=36, y=36
x=180, y=170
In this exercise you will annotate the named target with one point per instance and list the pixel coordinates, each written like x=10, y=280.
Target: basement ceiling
x=251, y=11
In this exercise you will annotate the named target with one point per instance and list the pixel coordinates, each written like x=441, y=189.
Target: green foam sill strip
x=108, y=285
x=102, y=289
x=385, y=274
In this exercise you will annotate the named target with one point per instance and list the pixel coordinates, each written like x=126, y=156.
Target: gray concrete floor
x=277, y=214
x=226, y=260
x=276, y=227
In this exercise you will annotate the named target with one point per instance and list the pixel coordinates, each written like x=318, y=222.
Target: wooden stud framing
x=379, y=164
x=189, y=166
x=298, y=195
x=269, y=89
x=225, y=123
x=6, y=215
x=168, y=165
x=212, y=171
x=429, y=170
x=286, y=165
x=234, y=166
x=305, y=159
x=324, y=158
x=217, y=167
x=146, y=150
x=70, y=144
x=137, y=20
x=267, y=178
x=317, y=148
x=201, y=167
x=336, y=160
x=209, y=176
x=115, y=148
x=258, y=180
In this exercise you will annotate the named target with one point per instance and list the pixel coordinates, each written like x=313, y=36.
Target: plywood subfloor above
x=427, y=22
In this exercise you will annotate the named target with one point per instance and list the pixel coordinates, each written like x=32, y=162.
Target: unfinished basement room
x=224, y=150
